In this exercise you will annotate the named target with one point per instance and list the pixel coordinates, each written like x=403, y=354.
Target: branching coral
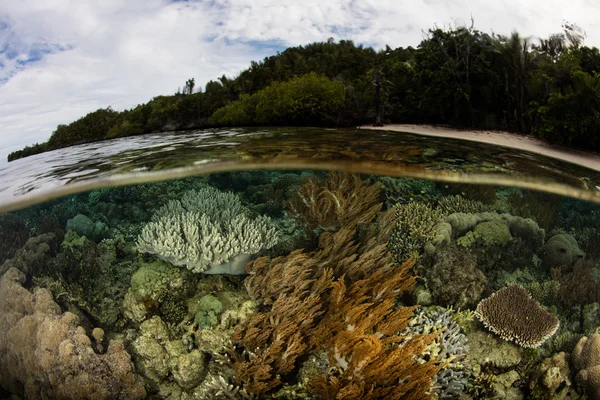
x=450, y=346
x=341, y=199
x=415, y=225
x=208, y=231
x=44, y=353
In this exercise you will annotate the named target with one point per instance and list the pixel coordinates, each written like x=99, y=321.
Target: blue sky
x=60, y=59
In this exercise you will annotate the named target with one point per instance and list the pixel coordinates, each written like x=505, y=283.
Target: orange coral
x=360, y=334
x=340, y=298
x=342, y=199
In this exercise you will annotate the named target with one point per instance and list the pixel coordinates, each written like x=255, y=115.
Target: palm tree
x=517, y=63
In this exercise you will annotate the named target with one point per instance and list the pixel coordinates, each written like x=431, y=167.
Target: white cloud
x=122, y=53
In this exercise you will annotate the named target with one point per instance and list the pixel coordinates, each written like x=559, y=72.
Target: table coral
x=514, y=315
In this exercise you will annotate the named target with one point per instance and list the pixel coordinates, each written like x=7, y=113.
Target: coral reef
x=415, y=225
x=341, y=199
x=561, y=251
x=406, y=190
x=339, y=299
x=543, y=208
x=453, y=277
x=514, y=315
x=450, y=346
x=87, y=276
x=84, y=226
x=586, y=361
x=208, y=231
x=580, y=286
x=158, y=288
x=160, y=359
x=45, y=353
x=552, y=379
x=454, y=204
x=34, y=256
x=13, y=235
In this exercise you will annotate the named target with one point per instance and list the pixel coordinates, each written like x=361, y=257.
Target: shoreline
x=512, y=140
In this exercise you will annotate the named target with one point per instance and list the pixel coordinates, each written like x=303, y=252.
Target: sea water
x=298, y=264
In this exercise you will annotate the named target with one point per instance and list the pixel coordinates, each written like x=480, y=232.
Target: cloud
x=60, y=59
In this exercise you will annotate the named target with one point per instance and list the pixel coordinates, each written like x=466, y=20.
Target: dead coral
x=514, y=315
x=341, y=199
x=44, y=353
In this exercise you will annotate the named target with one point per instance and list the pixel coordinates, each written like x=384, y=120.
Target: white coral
x=208, y=231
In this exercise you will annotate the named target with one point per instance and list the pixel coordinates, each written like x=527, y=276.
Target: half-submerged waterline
x=308, y=283
x=152, y=158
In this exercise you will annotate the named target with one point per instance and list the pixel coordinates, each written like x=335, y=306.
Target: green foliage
x=90, y=128
x=306, y=100
x=572, y=116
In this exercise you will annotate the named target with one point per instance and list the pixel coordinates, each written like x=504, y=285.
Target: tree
x=189, y=86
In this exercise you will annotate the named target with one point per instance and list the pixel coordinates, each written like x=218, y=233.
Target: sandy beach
x=587, y=159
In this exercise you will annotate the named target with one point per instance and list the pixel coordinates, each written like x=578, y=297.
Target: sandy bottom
x=587, y=159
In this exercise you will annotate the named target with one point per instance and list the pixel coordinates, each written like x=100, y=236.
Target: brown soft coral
x=341, y=199
x=45, y=353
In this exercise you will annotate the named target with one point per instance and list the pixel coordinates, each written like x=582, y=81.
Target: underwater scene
x=304, y=283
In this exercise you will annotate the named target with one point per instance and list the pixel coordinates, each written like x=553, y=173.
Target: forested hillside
x=547, y=87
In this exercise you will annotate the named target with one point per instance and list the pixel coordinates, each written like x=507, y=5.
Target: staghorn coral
x=453, y=204
x=415, y=225
x=208, y=231
x=44, y=353
x=514, y=315
x=586, y=361
x=341, y=199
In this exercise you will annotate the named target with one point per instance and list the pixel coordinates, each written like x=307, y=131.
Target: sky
x=61, y=59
